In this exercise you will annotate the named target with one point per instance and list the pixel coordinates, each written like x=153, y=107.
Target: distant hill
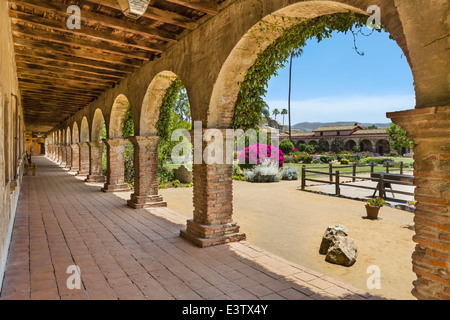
x=310, y=126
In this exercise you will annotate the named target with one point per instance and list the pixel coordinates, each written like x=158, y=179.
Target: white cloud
x=351, y=108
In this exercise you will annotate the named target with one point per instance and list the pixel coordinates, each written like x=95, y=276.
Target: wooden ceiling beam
x=54, y=48
x=87, y=32
x=155, y=14
x=50, y=85
x=38, y=56
x=62, y=76
x=199, y=5
x=36, y=64
x=89, y=46
x=32, y=98
x=66, y=81
x=47, y=91
x=99, y=19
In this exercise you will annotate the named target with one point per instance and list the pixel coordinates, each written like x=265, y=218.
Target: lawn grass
x=172, y=166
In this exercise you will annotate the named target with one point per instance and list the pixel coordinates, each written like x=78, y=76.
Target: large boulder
x=342, y=252
x=330, y=235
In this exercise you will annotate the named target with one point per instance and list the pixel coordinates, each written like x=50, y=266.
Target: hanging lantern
x=133, y=8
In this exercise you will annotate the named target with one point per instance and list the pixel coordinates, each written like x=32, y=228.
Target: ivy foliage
x=128, y=124
x=128, y=131
x=250, y=103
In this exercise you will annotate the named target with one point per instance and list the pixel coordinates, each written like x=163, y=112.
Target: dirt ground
x=280, y=218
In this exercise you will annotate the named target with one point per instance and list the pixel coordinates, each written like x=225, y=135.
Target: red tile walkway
x=124, y=253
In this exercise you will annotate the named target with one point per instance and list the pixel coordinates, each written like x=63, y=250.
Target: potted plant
x=373, y=206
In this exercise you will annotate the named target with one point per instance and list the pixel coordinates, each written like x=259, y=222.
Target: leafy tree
x=286, y=146
x=398, y=137
x=372, y=127
x=283, y=113
x=275, y=112
x=265, y=111
x=337, y=145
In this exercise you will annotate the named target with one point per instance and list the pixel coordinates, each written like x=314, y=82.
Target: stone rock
x=343, y=252
x=183, y=174
x=330, y=235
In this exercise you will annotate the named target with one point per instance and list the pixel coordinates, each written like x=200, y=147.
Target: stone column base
x=211, y=235
x=115, y=187
x=91, y=178
x=139, y=202
x=82, y=173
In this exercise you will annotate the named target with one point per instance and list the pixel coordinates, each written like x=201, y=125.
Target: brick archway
x=117, y=116
x=156, y=91
x=115, y=146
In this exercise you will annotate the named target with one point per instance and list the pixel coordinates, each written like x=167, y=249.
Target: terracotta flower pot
x=372, y=212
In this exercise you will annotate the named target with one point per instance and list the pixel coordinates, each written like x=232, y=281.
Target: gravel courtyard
x=280, y=218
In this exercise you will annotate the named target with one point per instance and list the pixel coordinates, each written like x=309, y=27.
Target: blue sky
x=331, y=82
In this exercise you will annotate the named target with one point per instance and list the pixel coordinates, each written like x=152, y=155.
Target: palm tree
x=275, y=112
x=265, y=111
x=283, y=113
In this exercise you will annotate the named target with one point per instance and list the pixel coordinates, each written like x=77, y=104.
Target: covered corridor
x=124, y=253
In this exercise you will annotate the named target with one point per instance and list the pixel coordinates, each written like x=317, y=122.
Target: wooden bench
x=29, y=166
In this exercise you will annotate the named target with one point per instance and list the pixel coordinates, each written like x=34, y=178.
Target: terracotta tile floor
x=124, y=253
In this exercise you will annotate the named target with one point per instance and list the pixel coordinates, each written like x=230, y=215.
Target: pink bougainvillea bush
x=258, y=153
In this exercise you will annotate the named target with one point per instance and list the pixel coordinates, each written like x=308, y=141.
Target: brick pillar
x=146, y=184
x=213, y=202
x=430, y=130
x=68, y=157
x=52, y=152
x=95, y=162
x=116, y=165
x=75, y=158
x=83, y=148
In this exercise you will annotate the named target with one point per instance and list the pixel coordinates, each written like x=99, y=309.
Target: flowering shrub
x=258, y=153
x=289, y=173
x=265, y=172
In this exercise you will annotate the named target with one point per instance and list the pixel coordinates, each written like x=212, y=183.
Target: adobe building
x=371, y=140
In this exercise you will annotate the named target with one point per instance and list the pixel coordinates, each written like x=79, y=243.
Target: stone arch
x=117, y=116
x=313, y=142
x=97, y=123
x=383, y=146
x=299, y=142
x=75, y=133
x=254, y=40
x=156, y=91
x=365, y=145
x=84, y=130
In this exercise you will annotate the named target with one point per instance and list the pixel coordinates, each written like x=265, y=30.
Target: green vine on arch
x=174, y=113
x=128, y=131
x=250, y=103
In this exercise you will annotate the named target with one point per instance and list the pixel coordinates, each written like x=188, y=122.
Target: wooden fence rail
x=383, y=182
